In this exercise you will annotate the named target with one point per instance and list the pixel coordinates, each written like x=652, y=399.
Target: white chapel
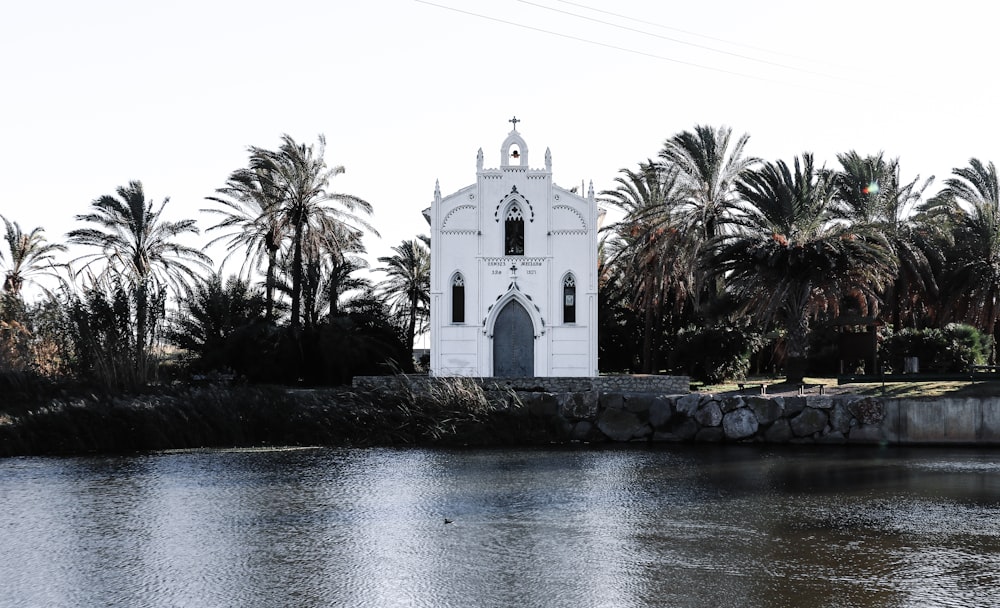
x=513, y=273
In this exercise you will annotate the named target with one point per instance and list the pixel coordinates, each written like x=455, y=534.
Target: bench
x=743, y=387
x=985, y=369
x=804, y=387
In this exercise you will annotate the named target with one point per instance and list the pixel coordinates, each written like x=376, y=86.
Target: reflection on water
x=680, y=526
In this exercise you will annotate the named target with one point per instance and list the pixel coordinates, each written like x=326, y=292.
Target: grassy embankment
x=448, y=411
x=246, y=416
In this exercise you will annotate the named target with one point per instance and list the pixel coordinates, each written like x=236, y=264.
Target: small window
x=569, y=299
x=458, y=299
x=514, y=232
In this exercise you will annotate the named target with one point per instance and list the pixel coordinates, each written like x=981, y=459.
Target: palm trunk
x=141, y=322
x=272, y=262
x=895, y=312
x=309, y=292
x=296, y=275
x=658, y=337
x=334, y=289
x=647, y=339
x=710, y=287
x=411, y=332
x=797, y=346
x=991, y=330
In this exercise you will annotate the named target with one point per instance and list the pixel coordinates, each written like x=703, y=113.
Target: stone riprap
x=712, y=418
x=660, y=409
x=854, y=419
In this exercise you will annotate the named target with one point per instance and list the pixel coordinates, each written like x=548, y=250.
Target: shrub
x=101, y=330
x=715, y=354
x=208, y=317
x=952, y=349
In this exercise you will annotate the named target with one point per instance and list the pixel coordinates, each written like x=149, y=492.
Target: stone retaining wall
x=660, y=409
x=711, y=418
x=943, y=420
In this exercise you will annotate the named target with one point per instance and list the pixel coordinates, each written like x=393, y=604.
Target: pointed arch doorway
x=513, y=342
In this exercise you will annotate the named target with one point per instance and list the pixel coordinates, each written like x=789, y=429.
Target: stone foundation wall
x=665, y=385
x=567, y=384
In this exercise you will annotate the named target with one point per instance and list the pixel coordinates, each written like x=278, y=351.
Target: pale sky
x=98, y=93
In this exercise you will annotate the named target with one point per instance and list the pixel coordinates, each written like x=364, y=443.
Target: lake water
x=679, y=526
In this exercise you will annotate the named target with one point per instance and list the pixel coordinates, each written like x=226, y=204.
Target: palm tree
x=332, y=251
x=651, y=250
x=135, y=244
x=209, y=314
x=301, y=175
x=339, y=267
x=710, y=164
x=709, y=170
x=796, y=255
x=877, y=197
x=408, y=284
x=30, y=256
x=251, y=214
x=971, y=200
x=340, y=280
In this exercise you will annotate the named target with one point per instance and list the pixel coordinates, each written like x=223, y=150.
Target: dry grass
x=214, y=415
x=927, y=389
x=437, y=408
x=910, y=390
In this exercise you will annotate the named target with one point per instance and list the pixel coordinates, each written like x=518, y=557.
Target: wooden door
x=513, y=343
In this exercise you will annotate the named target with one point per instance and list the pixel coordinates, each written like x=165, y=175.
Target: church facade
x=513, y=273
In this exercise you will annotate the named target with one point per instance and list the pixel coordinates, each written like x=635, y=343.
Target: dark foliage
x=619, y=333
x=100, y=326
x=208, y=318
x=953, y=349
x=715, y=354
x=361, y=341
x=443, y=411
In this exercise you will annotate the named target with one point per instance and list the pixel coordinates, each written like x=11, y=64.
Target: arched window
x=569, y=299
x=458, y=299
x=513, y=232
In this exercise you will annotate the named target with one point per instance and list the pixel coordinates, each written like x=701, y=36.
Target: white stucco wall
x=467, y=237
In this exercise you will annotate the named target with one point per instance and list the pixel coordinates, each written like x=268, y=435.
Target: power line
x=662, y=37
x=690, y=33
x=606, y=45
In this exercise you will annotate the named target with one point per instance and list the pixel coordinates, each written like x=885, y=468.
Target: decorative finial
x=437, y=190
x=479, y=160
x=548, y=160
x=590, y=190
x=514, y=122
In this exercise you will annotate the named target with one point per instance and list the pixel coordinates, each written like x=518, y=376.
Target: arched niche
x=457, y=298
x=569, y=298
x=514, y=151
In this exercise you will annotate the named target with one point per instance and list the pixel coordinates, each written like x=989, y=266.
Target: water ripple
x=581, y=528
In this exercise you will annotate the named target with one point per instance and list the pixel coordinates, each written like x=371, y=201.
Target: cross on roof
x=514, y=122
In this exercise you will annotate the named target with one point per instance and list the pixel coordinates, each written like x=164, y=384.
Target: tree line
x=111, y=322
x=723, y=264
